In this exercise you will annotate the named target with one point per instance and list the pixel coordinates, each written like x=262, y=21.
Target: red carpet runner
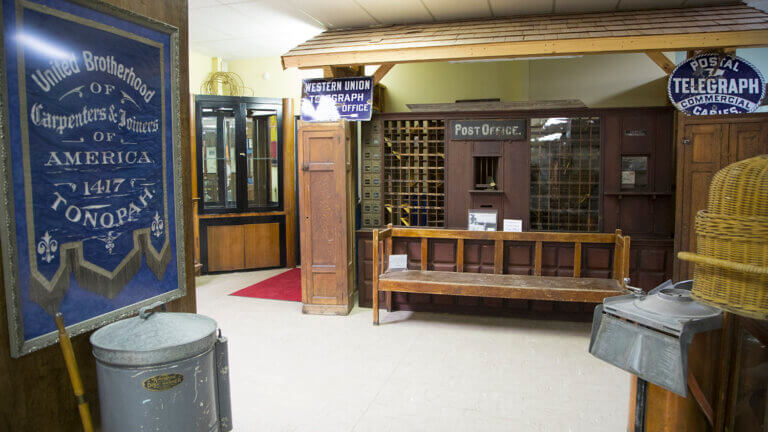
x=285, y=286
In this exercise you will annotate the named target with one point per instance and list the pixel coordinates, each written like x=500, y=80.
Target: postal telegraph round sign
x=711, y=84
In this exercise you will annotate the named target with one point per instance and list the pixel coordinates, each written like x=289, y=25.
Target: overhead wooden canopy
x=542, y=35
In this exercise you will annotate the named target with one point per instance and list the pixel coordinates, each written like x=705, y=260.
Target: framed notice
x=482, y=220
x=91, y=224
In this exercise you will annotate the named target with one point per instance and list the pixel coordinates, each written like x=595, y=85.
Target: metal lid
x=154, y=338
x=668, y=308
x=675, y=302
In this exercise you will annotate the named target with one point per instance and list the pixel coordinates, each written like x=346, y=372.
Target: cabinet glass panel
x=262, y=158
x=230, y=158
x=219, y=158
x=565, y=173
x=210, y=161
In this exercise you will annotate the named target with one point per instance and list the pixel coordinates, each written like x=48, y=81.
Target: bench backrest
x=383, y=239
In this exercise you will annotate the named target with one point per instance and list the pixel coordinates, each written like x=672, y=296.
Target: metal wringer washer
x=648, y=335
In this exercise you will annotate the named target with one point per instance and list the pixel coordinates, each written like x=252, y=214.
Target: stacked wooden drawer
x=371, y=183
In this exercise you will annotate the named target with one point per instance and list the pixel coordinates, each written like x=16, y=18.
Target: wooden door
x=706, y=145
x=747, y=140
x=703, y=150
x=324, y=218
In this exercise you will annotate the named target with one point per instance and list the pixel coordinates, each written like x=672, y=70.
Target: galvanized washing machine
x=163, y=372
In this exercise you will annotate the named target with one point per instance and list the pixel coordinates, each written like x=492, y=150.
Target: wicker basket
x=732, y=241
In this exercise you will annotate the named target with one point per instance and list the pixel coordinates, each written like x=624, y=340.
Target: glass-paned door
x=262, y=158
x=219, y=170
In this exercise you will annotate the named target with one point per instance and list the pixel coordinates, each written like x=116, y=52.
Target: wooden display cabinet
x=243, y=177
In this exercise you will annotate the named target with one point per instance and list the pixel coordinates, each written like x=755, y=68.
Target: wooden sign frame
x=72, y=268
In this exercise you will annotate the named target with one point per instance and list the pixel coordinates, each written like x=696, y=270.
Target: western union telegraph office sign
x=712, y=84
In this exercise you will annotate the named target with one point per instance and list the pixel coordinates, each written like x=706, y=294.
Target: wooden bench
x=497, y=284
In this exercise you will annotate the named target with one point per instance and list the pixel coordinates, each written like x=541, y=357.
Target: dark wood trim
x=206, y=222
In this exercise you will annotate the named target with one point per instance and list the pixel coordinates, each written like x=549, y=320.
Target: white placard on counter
x=513, y=225
x=398, y=262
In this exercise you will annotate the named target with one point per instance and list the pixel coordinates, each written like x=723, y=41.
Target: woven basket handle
x=717, y=262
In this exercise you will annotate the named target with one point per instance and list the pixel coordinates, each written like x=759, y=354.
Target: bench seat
x=587, y=290
x=498, y=284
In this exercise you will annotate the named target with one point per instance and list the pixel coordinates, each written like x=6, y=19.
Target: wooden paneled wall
x=35, y=389
x=646, y=214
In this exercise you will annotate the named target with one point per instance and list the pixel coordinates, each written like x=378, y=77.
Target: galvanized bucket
x=163, y=372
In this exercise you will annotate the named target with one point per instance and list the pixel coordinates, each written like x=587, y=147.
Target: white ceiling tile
x=458, y=9
x=502, y=8
x=335, y=13
x=397, y=11
x=575, y=6
x=211, y=23
x=276, y=16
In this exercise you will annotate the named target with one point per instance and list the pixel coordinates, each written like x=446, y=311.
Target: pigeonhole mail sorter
x=163, y=372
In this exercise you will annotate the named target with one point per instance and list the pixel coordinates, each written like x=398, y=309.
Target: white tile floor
x=415, y=372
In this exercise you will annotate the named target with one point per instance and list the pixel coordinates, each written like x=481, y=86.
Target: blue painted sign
x=91, y=163
x=714, y=84
x=337, y=99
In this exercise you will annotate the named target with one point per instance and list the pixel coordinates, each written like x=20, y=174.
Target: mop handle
x=74, y=374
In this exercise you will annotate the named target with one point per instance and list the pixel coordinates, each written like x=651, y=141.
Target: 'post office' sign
x=713, y=84
x=488, y=130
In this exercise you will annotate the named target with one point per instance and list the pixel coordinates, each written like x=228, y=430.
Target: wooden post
x=375, y=284
x=661, y=61
x=537, y=260
x=625, y=249
x=385, y=266
x=577, y=259
x=460, y=255
x=381, y=71
x=498, y=256
x=289, y=183
x=618, y=258
x=424, y=252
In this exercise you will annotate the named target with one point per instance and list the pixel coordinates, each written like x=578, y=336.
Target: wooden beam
x=662, y=61
x=343, y=71
x=580, y=46
x=381, y=71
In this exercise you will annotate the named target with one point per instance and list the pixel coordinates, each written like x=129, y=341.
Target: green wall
x=446, y=82
x=617, y=80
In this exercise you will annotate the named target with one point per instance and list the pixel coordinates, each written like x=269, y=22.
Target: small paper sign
x=628, y=177
x=398, y=262
x=513, y=225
